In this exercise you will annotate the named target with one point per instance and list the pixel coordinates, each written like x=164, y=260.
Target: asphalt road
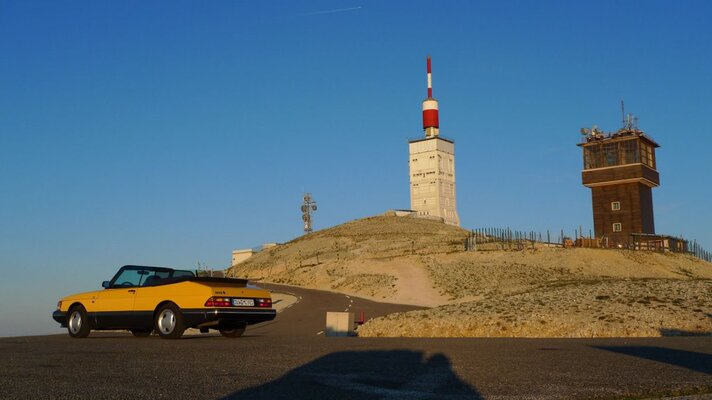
x=290, y=359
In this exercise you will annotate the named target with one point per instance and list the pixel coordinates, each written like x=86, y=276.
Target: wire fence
x=510, y=239
x=696, y=250
x=210, y=273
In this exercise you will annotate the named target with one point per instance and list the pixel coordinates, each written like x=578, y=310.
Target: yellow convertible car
x=167, y=301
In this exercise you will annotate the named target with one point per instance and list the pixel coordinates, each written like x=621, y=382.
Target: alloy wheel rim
x=75, y=322
x=166, y=321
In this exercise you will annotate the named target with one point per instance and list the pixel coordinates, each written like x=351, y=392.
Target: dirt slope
x=376, y=257
x=537, y=293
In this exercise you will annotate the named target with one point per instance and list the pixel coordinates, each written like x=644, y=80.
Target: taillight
x=218, y=302
x=263, y=302
x=238, y=302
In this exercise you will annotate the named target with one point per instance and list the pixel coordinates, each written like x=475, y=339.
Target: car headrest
x=152, y=280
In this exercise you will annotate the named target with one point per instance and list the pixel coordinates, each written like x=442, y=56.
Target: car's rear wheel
x=169, y=322
x=234, y=332
x=78, y=323
x=141, y=333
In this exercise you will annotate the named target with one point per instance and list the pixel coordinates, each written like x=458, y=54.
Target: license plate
x=243, y=302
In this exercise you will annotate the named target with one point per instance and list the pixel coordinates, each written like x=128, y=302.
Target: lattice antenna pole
x=308, y=207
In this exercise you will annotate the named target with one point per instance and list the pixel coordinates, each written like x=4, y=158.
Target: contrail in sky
x=337, y=10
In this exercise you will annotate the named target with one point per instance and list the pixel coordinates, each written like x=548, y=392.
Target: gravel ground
x=639, y=308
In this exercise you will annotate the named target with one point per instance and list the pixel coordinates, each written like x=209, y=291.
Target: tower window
x=592, y=156
x=646, y=155
x=629, y=152
x=616, y=205
x=617, y=227
x=610, y=154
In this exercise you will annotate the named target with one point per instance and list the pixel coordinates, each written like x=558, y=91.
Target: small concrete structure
x=400, y=213
x=239, y=256
x=340, y=324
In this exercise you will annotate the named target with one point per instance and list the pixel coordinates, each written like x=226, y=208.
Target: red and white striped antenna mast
x=430, y=79
x=431, y=123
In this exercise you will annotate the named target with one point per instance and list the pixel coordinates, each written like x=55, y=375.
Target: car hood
x=79, y=296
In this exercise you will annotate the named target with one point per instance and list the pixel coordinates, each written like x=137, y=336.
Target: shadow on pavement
x=681, y=332
x=691, y=360
x=396, y=374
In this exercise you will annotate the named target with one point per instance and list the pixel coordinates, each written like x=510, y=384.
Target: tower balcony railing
x=600, y=136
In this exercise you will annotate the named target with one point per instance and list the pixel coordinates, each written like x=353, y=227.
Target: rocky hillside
x=376, y=257
x=375, y=237
x=536, y=293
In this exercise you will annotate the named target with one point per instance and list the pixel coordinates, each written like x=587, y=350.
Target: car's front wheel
x=234, y=332
x=78, y=322
x=169, y=322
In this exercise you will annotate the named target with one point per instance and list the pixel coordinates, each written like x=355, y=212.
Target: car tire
x=235, y=332
x=78, y=325
x=141, y=333
x=168, y=322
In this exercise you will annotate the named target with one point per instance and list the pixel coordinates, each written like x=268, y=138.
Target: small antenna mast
x=623, y=112
x=308, y=207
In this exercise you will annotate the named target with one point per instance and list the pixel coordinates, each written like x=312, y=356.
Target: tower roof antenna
x=431, y=121
x=623, y=112
x=430, y=80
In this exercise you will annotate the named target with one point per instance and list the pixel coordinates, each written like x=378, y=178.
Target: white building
x=432, y=167
x=239, y=256
x=432, y=179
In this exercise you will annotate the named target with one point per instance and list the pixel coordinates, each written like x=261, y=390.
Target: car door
x=114, y=306
x=148, y=296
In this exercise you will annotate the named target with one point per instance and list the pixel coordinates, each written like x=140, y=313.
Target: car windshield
x=131, y=276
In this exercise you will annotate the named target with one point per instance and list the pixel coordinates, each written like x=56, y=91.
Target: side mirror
x=105, y=284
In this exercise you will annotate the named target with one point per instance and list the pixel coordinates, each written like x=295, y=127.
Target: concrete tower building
x=432, y=167
x=621, y=170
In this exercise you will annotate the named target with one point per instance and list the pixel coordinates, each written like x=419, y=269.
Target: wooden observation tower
x=620, y=169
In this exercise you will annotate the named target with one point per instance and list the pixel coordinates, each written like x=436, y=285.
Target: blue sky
x=170, y=133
